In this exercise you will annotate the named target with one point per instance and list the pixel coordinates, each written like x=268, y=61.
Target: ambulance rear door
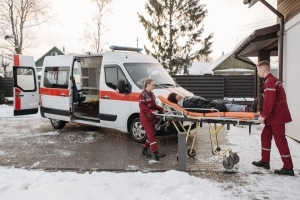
x=55, y=95
x=26, y=89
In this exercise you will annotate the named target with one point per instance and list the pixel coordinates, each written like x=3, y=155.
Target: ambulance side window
x=113, y=74
x=56, y=77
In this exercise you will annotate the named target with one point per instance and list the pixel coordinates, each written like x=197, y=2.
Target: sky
x=170, y=185
x=229, y=20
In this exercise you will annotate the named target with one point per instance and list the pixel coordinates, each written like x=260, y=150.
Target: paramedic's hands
x=154, y=112
x=261, y=119
x=257, y=114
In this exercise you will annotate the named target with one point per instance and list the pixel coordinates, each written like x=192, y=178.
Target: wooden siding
x=289, y=8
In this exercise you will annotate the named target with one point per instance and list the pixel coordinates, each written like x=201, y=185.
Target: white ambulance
x=100, y=90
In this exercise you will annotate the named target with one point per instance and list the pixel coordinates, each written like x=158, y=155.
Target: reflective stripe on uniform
x=270, y=89
x=278, y=82
x=265, y=149
x=152, y=143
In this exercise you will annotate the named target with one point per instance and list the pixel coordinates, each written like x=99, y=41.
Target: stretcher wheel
x=228, y=163
x=218, y=149
x=191, y=153
x=235, y=157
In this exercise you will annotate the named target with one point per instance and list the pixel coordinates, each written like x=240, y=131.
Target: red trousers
x=278, y=132
x=150, y=133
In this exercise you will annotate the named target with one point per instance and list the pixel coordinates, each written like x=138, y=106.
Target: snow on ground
x=36, y=185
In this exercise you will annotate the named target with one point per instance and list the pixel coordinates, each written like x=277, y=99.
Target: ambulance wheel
x=228, y=163
x=137, y=131
x=57, y=124
x=191, y=153
x=235, y=157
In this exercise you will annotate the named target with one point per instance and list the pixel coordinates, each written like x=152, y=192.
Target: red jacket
x=275, y=108
x=147, y=106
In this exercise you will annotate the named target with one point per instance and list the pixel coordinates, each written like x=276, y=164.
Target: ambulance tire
x=57, y=124
x=137, y=131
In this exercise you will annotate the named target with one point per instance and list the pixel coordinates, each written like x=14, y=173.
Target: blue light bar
x=120, y=48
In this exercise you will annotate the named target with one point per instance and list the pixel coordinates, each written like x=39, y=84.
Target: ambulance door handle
x=62, y=94
x=20, y=95
x=105, y=97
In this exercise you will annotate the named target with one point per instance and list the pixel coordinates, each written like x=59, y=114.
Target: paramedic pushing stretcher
x=275, y=113
x=148, y=111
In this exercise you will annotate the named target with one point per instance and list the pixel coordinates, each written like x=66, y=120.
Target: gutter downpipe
x=280, y=38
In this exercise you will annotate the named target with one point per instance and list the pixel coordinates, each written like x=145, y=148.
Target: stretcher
x=216, y=120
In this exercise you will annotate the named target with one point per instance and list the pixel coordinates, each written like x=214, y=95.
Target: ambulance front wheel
x=137, y=131
x=57, y=124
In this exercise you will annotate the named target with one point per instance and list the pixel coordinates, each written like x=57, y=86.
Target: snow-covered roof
x=200, y=68
x=220, y=60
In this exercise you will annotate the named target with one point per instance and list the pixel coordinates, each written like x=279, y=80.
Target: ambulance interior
x=85, y=87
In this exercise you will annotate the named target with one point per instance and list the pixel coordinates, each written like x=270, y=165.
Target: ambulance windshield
x=140, y=71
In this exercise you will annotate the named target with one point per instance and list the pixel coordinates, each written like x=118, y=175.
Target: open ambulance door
x=26, y=89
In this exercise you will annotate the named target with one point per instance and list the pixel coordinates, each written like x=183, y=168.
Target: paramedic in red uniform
x=275, y=113
x=148, y=110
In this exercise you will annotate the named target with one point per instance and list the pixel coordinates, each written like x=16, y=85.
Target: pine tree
x=175, y=33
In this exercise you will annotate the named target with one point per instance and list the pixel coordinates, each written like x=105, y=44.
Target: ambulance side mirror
x=122, y=87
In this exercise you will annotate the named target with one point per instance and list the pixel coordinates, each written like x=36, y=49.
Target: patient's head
x=173, y=97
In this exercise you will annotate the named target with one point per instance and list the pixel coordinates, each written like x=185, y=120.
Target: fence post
x=182, y=151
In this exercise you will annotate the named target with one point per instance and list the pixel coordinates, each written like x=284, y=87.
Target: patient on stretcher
x=202, y=103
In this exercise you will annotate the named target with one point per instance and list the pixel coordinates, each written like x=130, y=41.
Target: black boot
x=159, y=155
x=287, y=172
x=262, y=164
x=145, y=153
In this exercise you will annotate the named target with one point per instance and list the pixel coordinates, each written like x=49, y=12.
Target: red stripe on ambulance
x=134, y=96
x=55, y=92
x=16, y=60
x=17, y=99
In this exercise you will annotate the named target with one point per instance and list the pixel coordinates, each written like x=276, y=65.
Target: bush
x=3, y=99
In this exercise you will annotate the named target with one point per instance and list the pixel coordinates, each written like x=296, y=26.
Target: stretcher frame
x=216, y=121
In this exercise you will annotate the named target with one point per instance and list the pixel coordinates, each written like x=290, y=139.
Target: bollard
x=181, y=152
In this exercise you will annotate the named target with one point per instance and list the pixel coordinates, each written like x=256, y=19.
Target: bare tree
x=16, y=19
x=5, y=63
x=95, y=29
